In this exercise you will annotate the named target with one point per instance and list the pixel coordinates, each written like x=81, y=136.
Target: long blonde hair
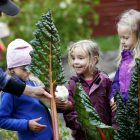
x=131, y=18
x=91, y=48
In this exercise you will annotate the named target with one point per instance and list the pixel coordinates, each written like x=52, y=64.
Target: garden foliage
x=89, y=119
x=46, y=57
x=127, y=115
x=46, y=61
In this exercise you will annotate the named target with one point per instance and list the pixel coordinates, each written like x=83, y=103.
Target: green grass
x=108, y=43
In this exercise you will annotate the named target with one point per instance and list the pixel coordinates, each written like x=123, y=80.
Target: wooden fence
x=109, y=11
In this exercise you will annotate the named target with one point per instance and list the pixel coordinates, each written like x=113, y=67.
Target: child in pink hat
x=18, y=53
x=23, y=114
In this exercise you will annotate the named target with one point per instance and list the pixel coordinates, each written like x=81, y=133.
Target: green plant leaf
x=88, y=117
x=127, y=113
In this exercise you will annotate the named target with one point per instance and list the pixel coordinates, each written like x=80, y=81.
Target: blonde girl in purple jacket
x=128, y=28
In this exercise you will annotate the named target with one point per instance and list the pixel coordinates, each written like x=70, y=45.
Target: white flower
x=61, y=93
x=63, y=5
x=80, y=20
x=69, y=1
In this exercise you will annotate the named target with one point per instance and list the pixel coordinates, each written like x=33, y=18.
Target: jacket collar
x=20, y=80
x=126, y=54
x=95, y=84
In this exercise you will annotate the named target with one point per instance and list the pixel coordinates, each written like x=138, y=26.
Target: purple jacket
x=98, y=92
x=123, y=75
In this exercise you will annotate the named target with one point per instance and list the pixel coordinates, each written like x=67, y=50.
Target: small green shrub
x=7, y=135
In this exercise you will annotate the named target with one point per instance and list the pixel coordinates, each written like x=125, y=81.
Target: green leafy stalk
x=127, y=115
x=132, y=104
x=46, y=61
x=46, y=39
x=121, y=119
x=88, y=117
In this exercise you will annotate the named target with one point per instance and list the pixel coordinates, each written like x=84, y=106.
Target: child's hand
x=34, y=126
x=113, y=105
x=65, y=105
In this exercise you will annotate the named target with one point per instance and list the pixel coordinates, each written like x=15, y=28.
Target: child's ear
x=95, y=59
x=12, y=71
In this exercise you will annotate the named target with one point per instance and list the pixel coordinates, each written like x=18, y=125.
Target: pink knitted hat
x=18, y=53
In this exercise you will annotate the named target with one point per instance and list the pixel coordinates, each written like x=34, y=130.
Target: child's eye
x=72, y=58
x=24, y=69
x=126, y=37
x=123, y=37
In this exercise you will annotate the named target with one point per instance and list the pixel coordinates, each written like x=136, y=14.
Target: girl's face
x=80, y=61
x=127, y=38
x=21, y=72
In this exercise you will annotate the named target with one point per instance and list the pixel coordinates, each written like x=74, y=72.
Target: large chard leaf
x=132, y=104
x=46, y=61
x=127, y=115
x=121, y=119
x=88, y=117
x=46, y=57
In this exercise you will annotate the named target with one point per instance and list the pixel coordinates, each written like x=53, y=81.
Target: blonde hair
x=91, y=48
x=131, y=18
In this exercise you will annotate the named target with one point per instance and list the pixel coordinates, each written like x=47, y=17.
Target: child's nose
x=122, y=41
x=75, y=61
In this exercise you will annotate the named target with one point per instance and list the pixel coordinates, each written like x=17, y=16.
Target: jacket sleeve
x=4, y=78
x=108, y=87
x=14, y=87
x=70, y=116
x=7, y=84
x=7, y=119
x=115, y=85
